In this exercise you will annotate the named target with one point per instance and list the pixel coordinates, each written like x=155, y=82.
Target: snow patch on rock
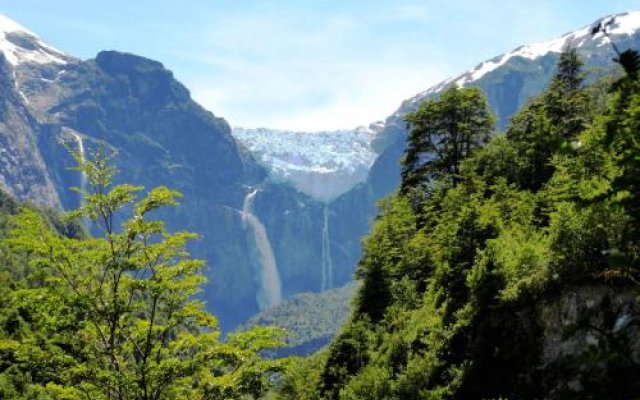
x=19, y=45
x=621, y=24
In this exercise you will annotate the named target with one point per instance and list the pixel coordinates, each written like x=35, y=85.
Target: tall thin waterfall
x=80, y=149
x=270, y=290
x=17, y=86
x=327, y=263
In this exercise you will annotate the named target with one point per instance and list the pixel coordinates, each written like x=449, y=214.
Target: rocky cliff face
x=136, y=107
x=23, y=172
x=590, y=335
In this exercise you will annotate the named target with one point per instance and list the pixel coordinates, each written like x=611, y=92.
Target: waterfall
x=80, y=149
x=327, y=263
x=17, y=86
x=269, y=291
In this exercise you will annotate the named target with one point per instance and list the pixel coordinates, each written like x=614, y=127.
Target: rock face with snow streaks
x=23, y=172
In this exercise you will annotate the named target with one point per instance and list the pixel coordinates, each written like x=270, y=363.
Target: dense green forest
x=502, y=268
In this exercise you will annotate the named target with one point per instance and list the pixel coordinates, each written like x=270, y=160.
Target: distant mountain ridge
x=508, y=80
x=622, y=28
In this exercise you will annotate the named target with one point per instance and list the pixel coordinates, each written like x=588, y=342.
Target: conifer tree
x=566, y=104
x=442, y=133
x=550, y=122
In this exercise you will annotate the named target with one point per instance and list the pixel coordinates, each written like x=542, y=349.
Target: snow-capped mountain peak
x=19, y=45
x=626, y=23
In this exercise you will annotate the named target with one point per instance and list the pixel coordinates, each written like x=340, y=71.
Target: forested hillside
x=310, y=319
x=502, y=268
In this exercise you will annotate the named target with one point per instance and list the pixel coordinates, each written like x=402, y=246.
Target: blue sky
x=306, y=64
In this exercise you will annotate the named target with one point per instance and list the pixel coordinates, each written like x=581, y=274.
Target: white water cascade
x=270, y=289
x=80, y=149
x=17, y=86
x=327, y=263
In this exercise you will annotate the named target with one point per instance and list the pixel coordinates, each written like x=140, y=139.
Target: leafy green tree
x=444, y=132
x=302, y=379
x=117, y=316
x=347, y=355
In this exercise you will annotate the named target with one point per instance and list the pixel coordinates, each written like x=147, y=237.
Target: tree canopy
x=443, y=132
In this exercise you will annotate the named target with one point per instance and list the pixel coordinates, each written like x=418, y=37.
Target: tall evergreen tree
x=566, y=104
x=444, y=132
x=550, y=122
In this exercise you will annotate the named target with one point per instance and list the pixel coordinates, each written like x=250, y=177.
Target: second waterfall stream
x=327, y=263
x=270, y=288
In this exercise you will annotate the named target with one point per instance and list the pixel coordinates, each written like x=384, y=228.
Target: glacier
x=322, y=165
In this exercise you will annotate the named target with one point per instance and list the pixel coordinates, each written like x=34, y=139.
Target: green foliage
x=117, y=317
x=310, y=319
x=462, y=260
x=443, y=132
x=302, y=379
x=347, y=355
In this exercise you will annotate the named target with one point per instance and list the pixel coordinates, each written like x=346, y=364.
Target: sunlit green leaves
x=116, y=317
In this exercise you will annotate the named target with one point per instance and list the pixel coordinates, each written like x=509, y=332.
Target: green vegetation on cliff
x=508, y=270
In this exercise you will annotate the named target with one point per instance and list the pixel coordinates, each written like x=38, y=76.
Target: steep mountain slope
x=162, y=138
x=23, y=173
x=135, y=106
